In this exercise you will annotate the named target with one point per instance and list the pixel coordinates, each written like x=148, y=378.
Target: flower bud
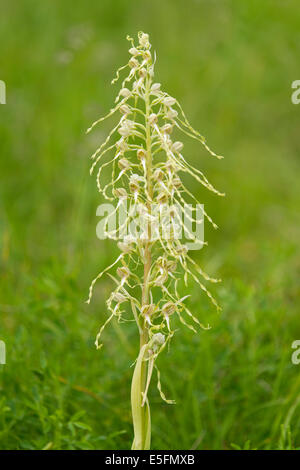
x=162, y=198
x=118, y=297
x=120, y=193
x=141, y=154
x=126, y=128
x=146, y=55
x=133, y=51
x=147, y=311
x=157, y=340
x=170, y=166
x=143, y=72
x=144, y=40
x=167, y=128
x=161, y=279
x=169, y=101
x=171, y=266
x=124, y=164
x=125, y=109
x=123, y=272
x=169, y=308
x=125, y=92
x=172, y=213
x=161, y=261
x=124, y=132
x=125, y=247
x=152, y=119
x=134, y=183
x=172, y=113
x=122, y=145
x=177, y=146
x=181, y=250
x=155, y=87
x=158, y=174
x=176, y=182
x=133, y=63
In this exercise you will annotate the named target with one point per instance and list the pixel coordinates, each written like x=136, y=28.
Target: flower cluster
x=146, y=164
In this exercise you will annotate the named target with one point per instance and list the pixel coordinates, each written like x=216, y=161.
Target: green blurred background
x=231, y=64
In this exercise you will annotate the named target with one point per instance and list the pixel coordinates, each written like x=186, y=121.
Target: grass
x=232, y=65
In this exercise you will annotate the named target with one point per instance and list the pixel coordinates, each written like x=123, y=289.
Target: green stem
x=141, y=414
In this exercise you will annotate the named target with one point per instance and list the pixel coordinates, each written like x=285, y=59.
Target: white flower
x=125, y=247
x=126, y=128
x=133, y=63
x=125, y=92
x=177, y=146
x=123, y=272
x=141, y=154
x=122, y=145
x=157, y=340
x=153, y=119
x=120, y=193
x=169, y=101
x=133, y=51
x=147, y=56
x=167, y=128
x=124, y=109
x=134, y=182
x=172, y=113
x=118, y=297
x=169, y=308
x=155, y=87
x=147, y=311
x=144, y=40
x=158, y=174
x=176, y=182
x=124, y=164
x=143, y=72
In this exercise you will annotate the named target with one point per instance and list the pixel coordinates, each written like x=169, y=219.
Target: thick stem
x=142, y=442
